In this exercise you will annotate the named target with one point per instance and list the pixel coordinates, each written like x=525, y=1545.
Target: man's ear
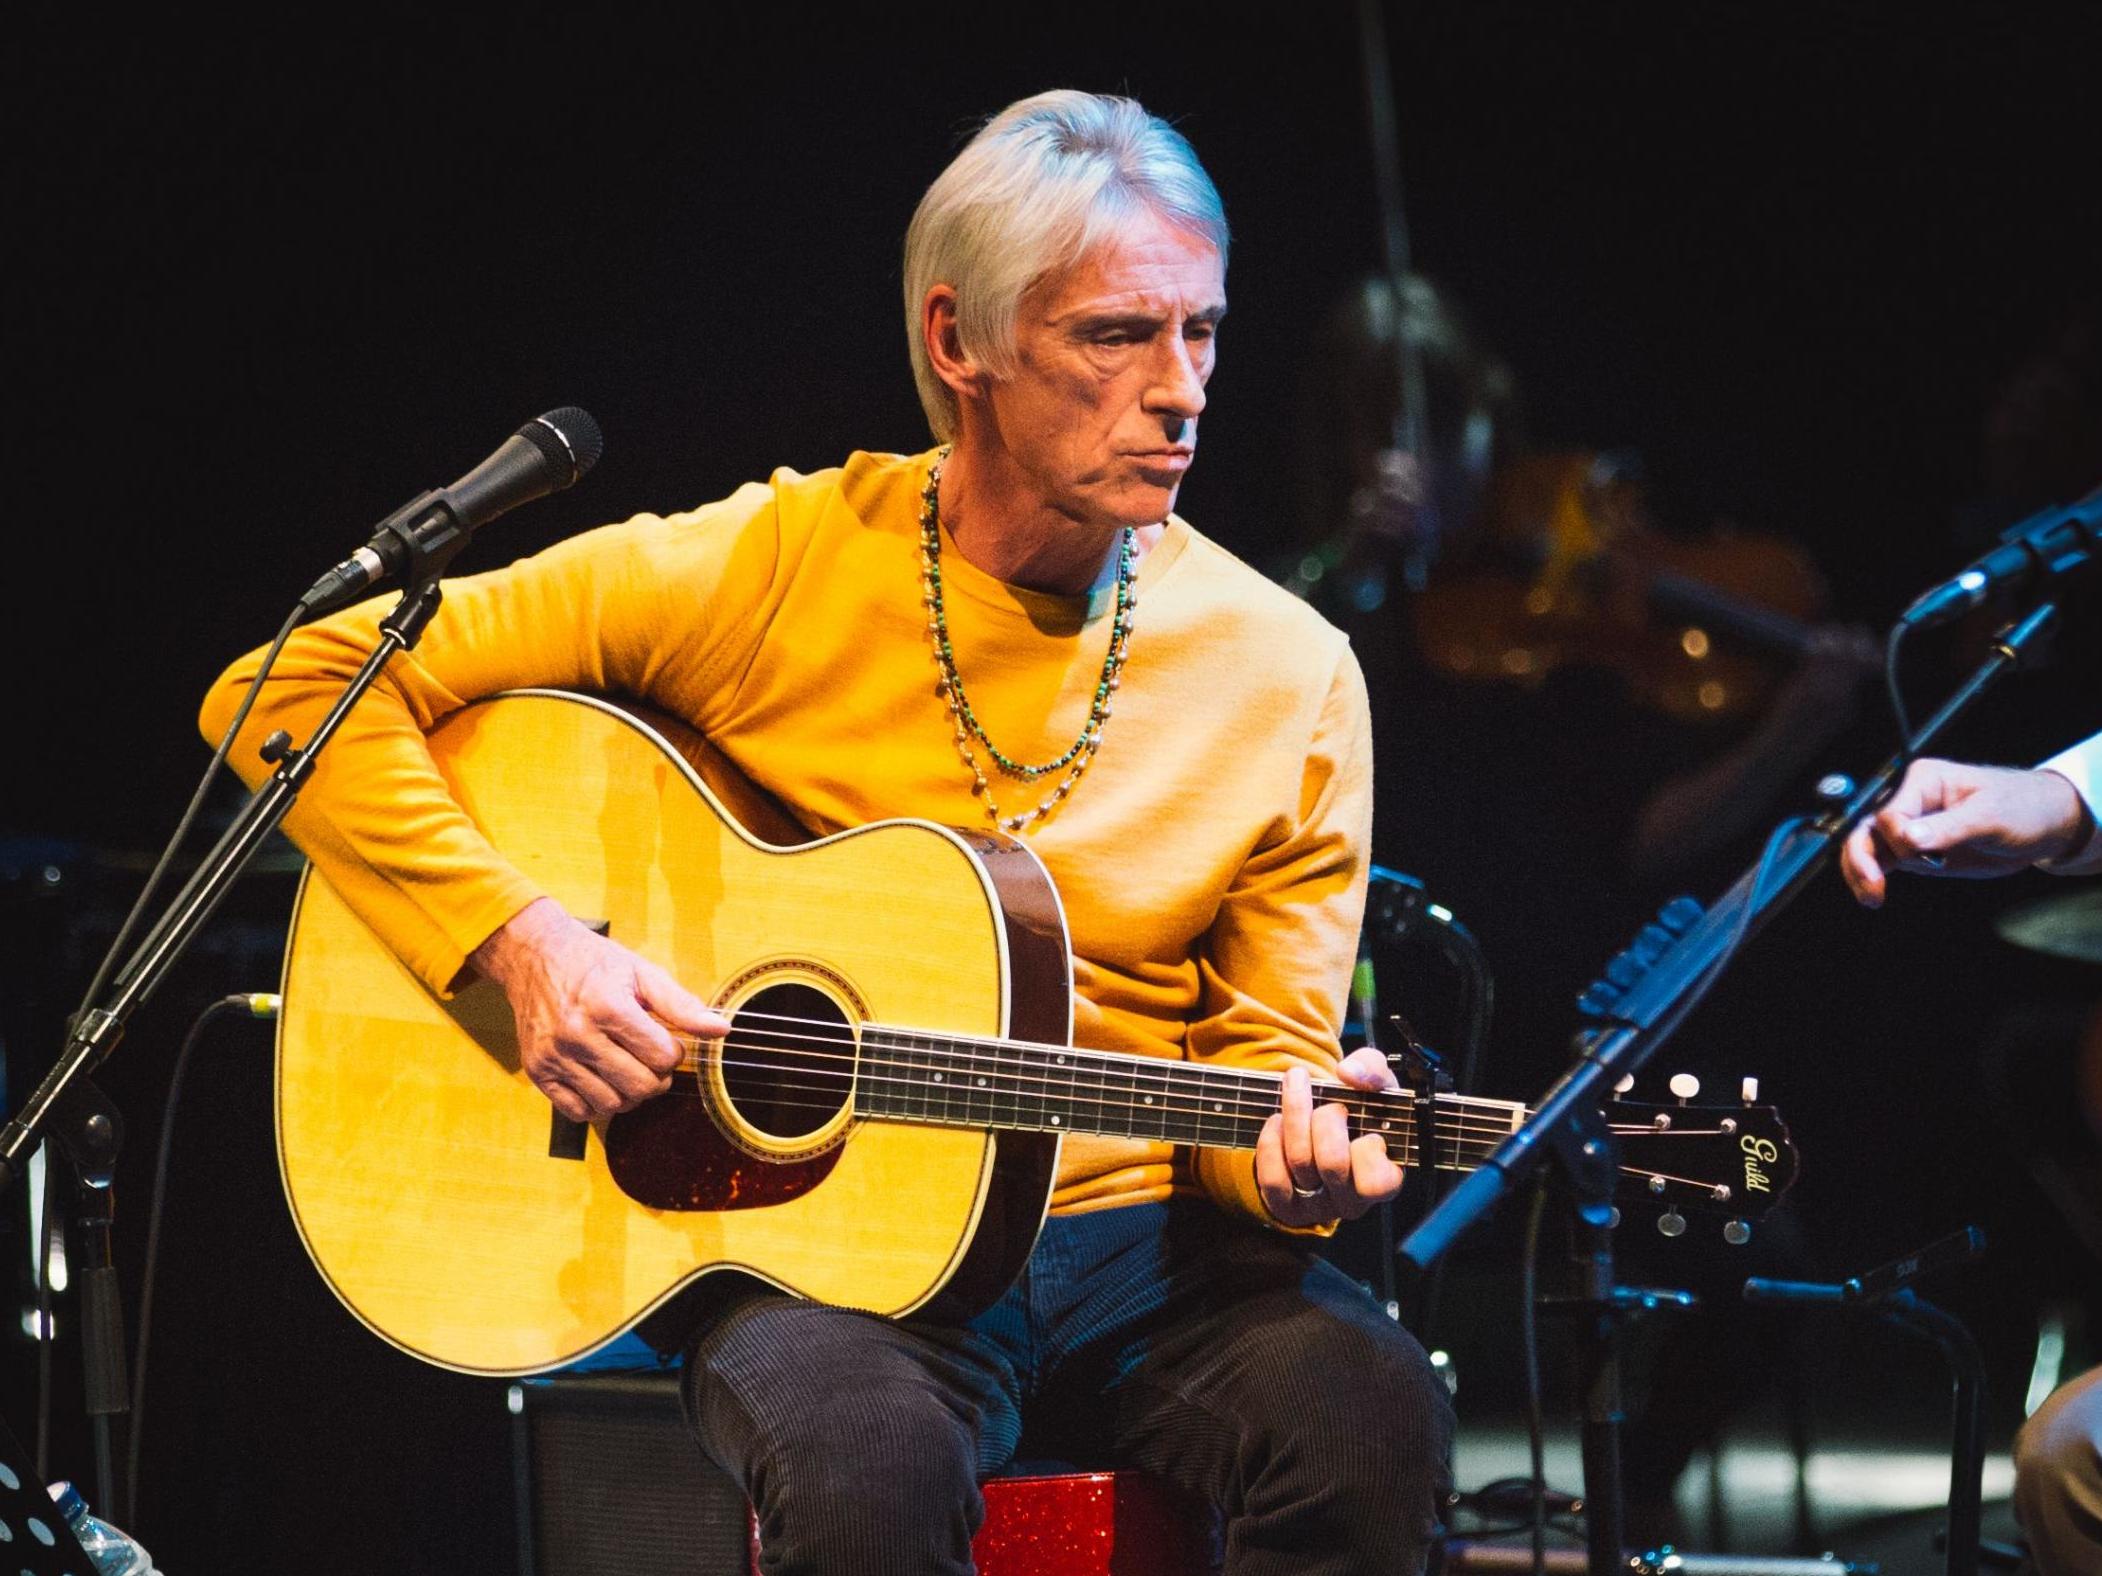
x=938, y=325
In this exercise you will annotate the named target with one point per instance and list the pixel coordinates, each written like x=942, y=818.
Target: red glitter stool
x=1087, y=1524
x=1092, y=1524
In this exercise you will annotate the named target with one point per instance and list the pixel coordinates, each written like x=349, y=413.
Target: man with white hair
x=1012, y=630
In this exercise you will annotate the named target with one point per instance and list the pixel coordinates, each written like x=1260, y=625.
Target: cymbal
x=2064, y=925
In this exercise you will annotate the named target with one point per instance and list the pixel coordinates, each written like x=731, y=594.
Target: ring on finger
x=1306, y=1192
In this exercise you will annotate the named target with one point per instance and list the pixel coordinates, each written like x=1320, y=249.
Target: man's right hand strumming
x=596, y=1023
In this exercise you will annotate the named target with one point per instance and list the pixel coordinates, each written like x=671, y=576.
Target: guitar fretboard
x=912, y=1076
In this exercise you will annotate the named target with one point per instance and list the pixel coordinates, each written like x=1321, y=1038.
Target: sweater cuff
x=440, y=960
x=1228, y=1176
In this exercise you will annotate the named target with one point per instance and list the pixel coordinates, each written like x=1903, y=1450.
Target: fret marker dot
x=981, y=1083
x=1149, y=1099
x=1216, y=1106
x=1061, y=1061
x=1054, y=1121
x=937, y=1077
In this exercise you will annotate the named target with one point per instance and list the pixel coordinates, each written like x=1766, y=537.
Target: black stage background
x=263, y=287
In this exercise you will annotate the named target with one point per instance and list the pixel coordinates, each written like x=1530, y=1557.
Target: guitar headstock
x=1734, y=1160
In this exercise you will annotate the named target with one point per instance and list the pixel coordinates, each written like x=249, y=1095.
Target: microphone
x=2045, y=545
x=547, y=454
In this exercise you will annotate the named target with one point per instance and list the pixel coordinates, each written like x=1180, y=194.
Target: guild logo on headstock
x=1758, y=1153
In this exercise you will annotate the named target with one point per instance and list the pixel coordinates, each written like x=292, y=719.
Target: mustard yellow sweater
x=1212, y=860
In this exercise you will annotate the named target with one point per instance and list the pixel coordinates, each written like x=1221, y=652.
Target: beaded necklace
x=965, y=721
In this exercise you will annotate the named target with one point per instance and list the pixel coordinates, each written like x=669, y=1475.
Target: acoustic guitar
x=880, y=1129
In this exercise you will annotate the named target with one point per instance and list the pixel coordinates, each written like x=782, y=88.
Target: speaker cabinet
x=610, y=1481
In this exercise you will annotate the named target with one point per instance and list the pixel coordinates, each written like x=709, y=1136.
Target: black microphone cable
x=257, y=1004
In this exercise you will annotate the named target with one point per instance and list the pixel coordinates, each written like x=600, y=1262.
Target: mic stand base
x=1585, y=1155
x=89, y=1131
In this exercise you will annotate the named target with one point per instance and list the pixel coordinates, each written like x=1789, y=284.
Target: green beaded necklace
x=965, y=721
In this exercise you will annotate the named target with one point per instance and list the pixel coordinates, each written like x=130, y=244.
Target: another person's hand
x=1308, y=1168
x=1950, y=819
x=595, y=1022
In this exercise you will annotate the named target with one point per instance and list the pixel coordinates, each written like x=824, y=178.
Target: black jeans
x=1226, y=1359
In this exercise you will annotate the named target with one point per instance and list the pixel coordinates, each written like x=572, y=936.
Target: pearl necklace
x=965, y=721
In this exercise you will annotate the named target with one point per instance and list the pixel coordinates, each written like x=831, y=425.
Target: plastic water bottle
x=113, y=1552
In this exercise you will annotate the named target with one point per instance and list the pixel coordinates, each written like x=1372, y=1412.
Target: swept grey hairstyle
x=1044, y=180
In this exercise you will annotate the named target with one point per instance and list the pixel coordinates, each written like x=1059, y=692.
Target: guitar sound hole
x=788, y=1062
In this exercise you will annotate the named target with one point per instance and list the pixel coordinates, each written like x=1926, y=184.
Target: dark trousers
x=1223, y=1358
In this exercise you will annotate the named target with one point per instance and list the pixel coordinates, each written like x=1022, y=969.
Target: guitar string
x=1454, y=1131
x=1454, y=1156
x=1165, y=1073
x=1458, y=1125
x=1455, y=1145
x=1238, y=1104
x=1446, y=1133
x=997, y=1120
x=1373, y=1105
x=949, y=1095
x=948, y=1042
x=1447, y=1155
x=1003, y=1046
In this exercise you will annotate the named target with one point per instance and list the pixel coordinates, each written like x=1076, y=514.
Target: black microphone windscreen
x=569, y=438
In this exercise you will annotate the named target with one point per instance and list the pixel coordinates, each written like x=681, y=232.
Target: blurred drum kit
x=2065, y=925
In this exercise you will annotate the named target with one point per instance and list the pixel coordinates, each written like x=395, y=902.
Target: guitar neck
x=943, y=1080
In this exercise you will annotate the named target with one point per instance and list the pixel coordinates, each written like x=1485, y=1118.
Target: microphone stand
x=68, y=1107
x=1568, y=1128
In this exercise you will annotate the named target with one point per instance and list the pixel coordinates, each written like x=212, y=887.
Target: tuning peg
x=1627, y=1082
x=1625, y=969
x=1679, y=915
x=1685, y=1086
x=1598, y=999
x=1748, y=1091
x=1671, y=1223
x=1737, y=1232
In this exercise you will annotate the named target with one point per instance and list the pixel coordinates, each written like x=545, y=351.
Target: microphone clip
x=2046, y=546
x=414, y=543
x=428, y=533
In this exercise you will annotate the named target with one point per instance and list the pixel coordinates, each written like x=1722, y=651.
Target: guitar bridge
x=565, y=1138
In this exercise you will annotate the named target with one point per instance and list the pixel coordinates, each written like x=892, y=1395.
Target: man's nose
x=1178, y=389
